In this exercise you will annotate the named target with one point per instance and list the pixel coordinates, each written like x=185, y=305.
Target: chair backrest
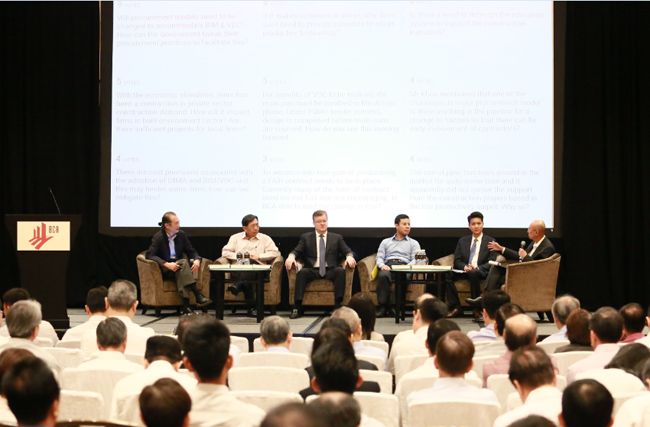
x=405, y=364
x=267, y=400
x=135, y=358
x=300, y=345
x=621, y=398
x=481, y=344
x=501, y=386
x=67, y=357
x=478, y=364
x=616, y=381
x=378, y=361
x=80, y=405
x=550, y=346
x=380, y=406
x=268, y=378
x=69, y=344
x=540, y=275
x=382, y=345
x=126, y=409
x=564, y=360
x=513, y=400
x=240, y=342
x=423, y=413
x=287, y=360
x=383, y=378
x=43, y=342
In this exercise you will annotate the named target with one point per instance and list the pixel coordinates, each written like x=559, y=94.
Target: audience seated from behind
x=532, y=374
x=605, y=330
x=187, y=319
x=408, y=333
x=32, y=393
x=352, y=319
x=586, y=403
x=96, y=310
x=631, y=359
x=338, y=409
x=23, y=322
x=9, y=358
x=577, y=332
x=165, y=403
x=426, y=311
x=365, y=308
x=206, y=342
x=562, y=307
x=630, y=413
x=491, y=303
x=634, y=321
x=275, y=334
x=295, y=415
x=534, y=421
x=122, y=300
x=498, y=346
x=12, y=296
x=621, y=374
x=111, y=342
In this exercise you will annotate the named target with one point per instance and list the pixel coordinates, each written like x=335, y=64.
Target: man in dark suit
x=472, y=255
x=321, y=252
x=167, y=249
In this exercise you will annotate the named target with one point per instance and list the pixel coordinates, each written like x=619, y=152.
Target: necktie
x=321, y=255
x=472, y=251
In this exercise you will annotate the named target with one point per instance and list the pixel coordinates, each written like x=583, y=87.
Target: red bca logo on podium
x=43, y=236
x=40, y=236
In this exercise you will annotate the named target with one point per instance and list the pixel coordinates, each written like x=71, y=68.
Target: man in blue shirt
x=399, y=249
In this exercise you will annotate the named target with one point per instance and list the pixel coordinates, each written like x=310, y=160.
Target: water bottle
x=240, y=257
x=247, y=258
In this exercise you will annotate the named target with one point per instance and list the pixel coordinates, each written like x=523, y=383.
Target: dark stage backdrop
x=49, y=131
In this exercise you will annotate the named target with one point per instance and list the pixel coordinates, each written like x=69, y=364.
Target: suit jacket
x=159, y=248
x=543, y=251
x=335, y=249
x=461, y=255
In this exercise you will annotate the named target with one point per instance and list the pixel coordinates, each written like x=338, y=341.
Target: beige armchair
x=369, y=286
x=320, y=291
x=157, y=293
x=532, y=284
x=271, y=288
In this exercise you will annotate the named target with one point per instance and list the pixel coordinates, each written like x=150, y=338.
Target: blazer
x=543, y=251
x=159, y=248
x=335, y=249
x=461, y=255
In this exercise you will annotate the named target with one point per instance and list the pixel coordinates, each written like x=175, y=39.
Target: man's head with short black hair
x=493, y=301
x=111, y=335
x=586, y=403
x=430, y=310
x=436, y=330
x=160, y=347
x=96, y=300
x=206, y=342
x=12, y=296
x=32, y=392
x=330, y=334
x=165, y=403
x=474, y=214
x=606, y=326
x=248, y=219
x=9, y=358
x=275, y=331
x=530, y=368
x=337, y=409
x=24, y=318
x=505, y=312
x=454, y=352
x=335, y=368
x=122, y=297
x=185, y=321
x=562, y=307
x=633, y=318
x=400, y=217
x=520, y=331
x=533, y=421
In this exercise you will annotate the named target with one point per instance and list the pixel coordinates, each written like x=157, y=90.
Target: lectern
x=42, y=244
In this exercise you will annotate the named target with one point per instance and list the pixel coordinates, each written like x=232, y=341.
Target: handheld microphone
x=523, y=244
x=54, y=198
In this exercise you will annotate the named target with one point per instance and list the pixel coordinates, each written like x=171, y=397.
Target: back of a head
x=531, y=367
x=331, y=334
x=577, y=327
x=350, y=316
x=365, y=308
x=437, y=329
x=14, y=295
x=338, y=410
x=206, y=343
x=31, y=390
x=505, y=312
x=630, y=358
x=533, y=421
x=96, y=299
x=432, y=309
x=520, y=331
x=111, y=333
x=493, y=301
x=122, y=294
x=334, y=322
x=335, y=367
x=293, y=415
x=9, y=358
x=185, y=321
x=165, y=403
x=587, y=403
x=607, y=324
x=23, y=318
x=454, y=352
x=633, y=317
x=563, y=306
x=275, y=330
x=160, y=347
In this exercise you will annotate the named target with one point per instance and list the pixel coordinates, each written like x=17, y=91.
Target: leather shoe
x=202, y=300
x=475, y=302
x=295, y=314
x=456, y=312
x=252, y=312
x=382, y=312
x=234, y=289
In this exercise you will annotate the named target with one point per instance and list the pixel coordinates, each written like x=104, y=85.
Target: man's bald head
x=538, y=225
x=520, y=331
x=418, y=300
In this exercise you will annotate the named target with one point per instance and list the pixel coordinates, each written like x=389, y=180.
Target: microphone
x=523, y=244
x=54, y=198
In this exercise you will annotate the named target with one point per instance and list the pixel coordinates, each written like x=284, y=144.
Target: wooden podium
x=42, y=244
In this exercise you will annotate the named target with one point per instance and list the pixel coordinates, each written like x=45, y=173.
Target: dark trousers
x=306, y=275
x=384, y=280
x=474, y=276
x=245, y=279
x=496, y=277
x=183, y=276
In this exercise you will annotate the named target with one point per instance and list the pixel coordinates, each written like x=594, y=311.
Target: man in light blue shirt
x=399, y=249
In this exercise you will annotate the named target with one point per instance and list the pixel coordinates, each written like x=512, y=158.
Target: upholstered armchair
x=532, y=284
x=369, y=286
x=320, y=291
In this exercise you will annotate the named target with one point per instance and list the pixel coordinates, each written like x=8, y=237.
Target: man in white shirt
x=586, y=403
x=121, y=303
x=360, y=349
x=532, y=373
x=498, y=346
x=95, y=308
x=606, y=328
x=206, y=342
x=165, y=403
x=187, y=319
x=23, y=322
x=491, y=303
x=631, y=412
x=428, y=311
x=111, y=342
x=409, y=332
x=275, y=334
x=562, y=307
x=12, y=296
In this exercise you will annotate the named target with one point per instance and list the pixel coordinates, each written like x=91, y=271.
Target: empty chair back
x=423, y=413
x=43, y=342
x=564, y=360
x=478, y=364
x=240, y=342
x=382, y=407
x=80, y=405
x=405, y=364
x=501, y=386
x=287, y=360
x=135, y=358
x=127, y=409
x=550, y=346
x=268, y=378
x=382, y=345
x=69, y=344
x=384, y=379
x=67, y=357
x=267, y=400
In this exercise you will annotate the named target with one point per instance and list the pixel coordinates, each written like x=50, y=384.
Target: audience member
x=96, y=310
x=165, y=403
x=111, y=342
x=338, y=409
x=586, y=403
x=365, y=308
x=561, y=309
x=206, y=343
x=619, y=375
x=633, y=322
x=498, y=346
x=630, y=414
x=577, y=332
x=532, y=374
x=534, y=421
x=491, y=303
x=9, y=358
x=23, y=322
x=408, y=333
x=631, y=359
x=32, y=393
x=606, y=328
x=12, y=296
x=122, y=300
x=186, y=319
x=275, y=334
x=294, y=415
x=352, y=319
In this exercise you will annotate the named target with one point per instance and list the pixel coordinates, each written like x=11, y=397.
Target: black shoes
x=296, y=313
x=186, y=311
x=252, y=312
x=475, y=302
x=235, y=289
x=202, y=300
x=385, y=312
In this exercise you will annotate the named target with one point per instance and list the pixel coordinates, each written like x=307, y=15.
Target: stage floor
x=309, y=324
